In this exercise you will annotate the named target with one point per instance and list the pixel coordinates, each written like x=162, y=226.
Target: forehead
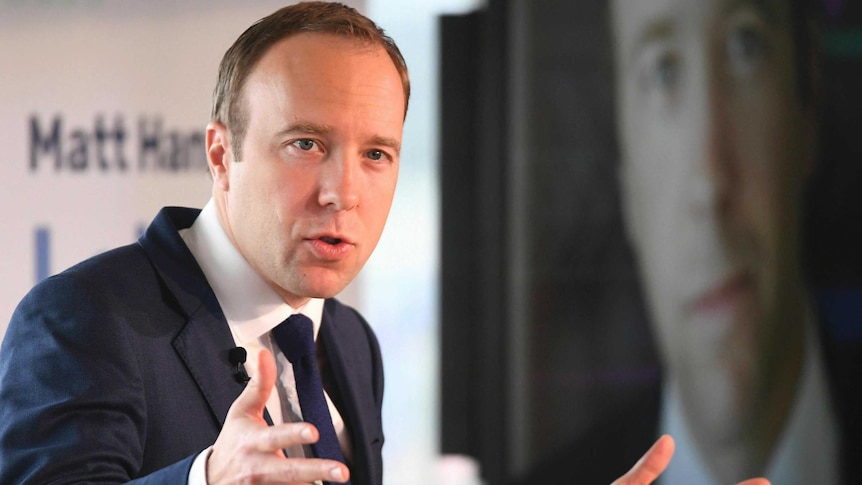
x=309, y=53
x=322, y=70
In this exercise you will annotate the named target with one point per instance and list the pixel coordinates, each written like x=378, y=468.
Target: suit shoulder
x=117, y=285
x=108, y=267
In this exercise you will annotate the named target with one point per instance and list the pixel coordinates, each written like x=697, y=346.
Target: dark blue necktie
x=295, y=338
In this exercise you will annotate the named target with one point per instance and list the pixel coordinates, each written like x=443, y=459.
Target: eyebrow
x=765, y=7
x=660, y=27
x=308, y=127
x=388, y=142
x=305, y=127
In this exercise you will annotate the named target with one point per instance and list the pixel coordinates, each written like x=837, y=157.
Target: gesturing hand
x=249, y=451
x=655, y=460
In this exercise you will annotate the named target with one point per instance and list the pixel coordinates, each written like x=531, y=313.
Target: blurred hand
x=248, y=450
x=655, y=460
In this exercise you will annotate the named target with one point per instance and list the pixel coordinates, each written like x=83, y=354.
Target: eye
x=665, y=72
x=375, y=155
x=660, y=70
x=304, y=144
x=746, y=48
x=746, y=43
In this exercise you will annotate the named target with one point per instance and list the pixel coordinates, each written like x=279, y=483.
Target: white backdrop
x=103, y=105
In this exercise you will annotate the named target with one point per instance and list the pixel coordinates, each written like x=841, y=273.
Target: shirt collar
x=251, y=307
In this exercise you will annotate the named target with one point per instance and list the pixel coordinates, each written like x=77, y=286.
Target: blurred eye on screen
x=746, y=48
x=659, y=72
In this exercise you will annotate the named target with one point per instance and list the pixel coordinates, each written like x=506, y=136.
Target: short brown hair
x=251, y=45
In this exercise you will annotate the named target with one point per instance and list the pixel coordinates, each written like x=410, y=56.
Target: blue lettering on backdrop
x=43, y=253
x=170, y=150
x=41, y=143
x=42, y=238
x=101, y=146
x=78, y=149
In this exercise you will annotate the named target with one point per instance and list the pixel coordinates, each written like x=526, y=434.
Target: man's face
x=716, y=142
x=307, y=202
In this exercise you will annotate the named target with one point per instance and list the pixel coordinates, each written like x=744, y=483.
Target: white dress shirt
x=806, y=451
x=252, y=308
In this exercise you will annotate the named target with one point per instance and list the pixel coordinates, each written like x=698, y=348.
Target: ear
x=219, y=154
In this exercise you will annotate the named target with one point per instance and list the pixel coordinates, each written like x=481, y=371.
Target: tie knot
x=295, y=337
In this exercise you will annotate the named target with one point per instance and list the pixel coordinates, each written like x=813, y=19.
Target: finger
x=252, y=400
x=309, y=470
x=755, y=481
x=278, y=437
x=651, y=465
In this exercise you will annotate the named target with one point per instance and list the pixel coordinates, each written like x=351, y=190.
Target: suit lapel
x=203, y=343
x=355, y=398
x=204, y=348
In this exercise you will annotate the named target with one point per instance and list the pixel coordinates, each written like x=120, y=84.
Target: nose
x=715, y=179
x=339, y=188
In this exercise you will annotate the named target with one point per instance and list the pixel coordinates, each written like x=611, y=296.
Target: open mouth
x=331, y=248
x=331, y=240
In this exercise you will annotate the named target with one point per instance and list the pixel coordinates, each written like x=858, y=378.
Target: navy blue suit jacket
x=117, y=370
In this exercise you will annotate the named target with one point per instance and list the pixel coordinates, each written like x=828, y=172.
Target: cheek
x=259, y=203
x=378, y=197
x=770, y=160
x=647, y=233
x=650, y=215
x=661, y=291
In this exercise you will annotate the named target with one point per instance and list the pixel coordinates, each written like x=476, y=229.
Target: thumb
x=651, y=465
x=252, y=400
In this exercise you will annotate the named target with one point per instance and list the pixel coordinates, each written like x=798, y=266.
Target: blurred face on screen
x=716, y=142
x=308, y=201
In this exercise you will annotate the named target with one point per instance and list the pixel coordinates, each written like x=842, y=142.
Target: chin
x=322, y=291
x=324, y=284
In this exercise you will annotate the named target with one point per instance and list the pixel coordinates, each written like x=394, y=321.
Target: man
x=123, y=368
x=717, y=121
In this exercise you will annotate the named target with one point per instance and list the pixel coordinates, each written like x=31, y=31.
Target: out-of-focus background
x=505, y=290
